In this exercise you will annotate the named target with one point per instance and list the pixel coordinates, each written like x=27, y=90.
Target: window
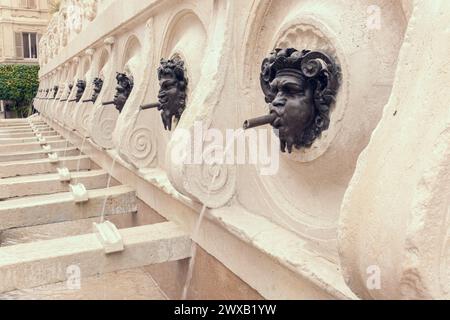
x=29, y=4
x=27, y=45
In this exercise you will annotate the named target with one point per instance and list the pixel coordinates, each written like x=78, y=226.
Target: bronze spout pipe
x=150, y=106
x=88, y=100
x=63, y=100
x=107, y=103
x=73, y=100
x=260, y=121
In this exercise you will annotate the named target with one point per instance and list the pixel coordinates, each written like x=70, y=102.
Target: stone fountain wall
x=279, y=233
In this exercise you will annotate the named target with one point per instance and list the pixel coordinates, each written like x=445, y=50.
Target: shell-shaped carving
x=90, y=9
x=305, y=36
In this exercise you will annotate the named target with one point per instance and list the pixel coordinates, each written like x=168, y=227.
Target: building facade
x=22, y=22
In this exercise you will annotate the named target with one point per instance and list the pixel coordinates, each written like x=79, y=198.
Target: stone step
x=31, y=146
x=38, y=154
x=4, y=124
x=53, y=208
x=131, y=284
x=41, y=166
x=57, y=230
x=27, y=134
x=23, y=127
x=33, y=118
x=31, y=265
x=78, y=227
x=49, y=183
x=24, y=130
x=40, y=126
x=9, y=122
x=9, y=141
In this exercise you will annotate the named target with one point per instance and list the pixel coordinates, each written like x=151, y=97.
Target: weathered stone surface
x=31, y=146
x=49, y=183
x=41, y=166
x=395, y=218
x=38, y=154
x=45, y=209
x=134, y=284
x=13, y=141
x=42, y=127
x=31, y=265
x=70, y=228
x=26, y=134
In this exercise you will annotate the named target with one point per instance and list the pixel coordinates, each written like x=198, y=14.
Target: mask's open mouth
x=278, y=123
x=163, y=101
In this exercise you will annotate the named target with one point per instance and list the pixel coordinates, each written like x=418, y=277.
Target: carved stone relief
x=213, y=184
x=306, y=191
x=102, y=120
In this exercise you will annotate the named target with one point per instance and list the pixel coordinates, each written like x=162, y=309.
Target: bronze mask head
x=81, y=86
x=300, y=87
x=70, y=90
x=172, y=94
x=123, y=90
x=55, y=91
x=98, y=85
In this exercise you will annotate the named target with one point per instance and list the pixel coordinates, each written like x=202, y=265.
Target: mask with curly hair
x=172, y=94
x=123, y=90
x=81, y=86
x=55, y=91
x=300, y=87
x=98, y=85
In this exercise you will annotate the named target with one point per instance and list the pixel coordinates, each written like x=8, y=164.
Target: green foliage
x=19, y=83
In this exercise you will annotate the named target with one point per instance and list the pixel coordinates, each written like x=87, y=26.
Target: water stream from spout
x=108, y=185
x=116, y=157
x=66, y=147
x=202, y=214
x=80, y=154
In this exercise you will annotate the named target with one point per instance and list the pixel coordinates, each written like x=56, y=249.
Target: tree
x=19, y=83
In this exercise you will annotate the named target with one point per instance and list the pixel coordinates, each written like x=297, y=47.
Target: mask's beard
x=170, y=110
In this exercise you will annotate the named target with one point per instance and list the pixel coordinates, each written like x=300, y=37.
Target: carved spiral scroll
x=85, y=120
x=142, y=147
x=212, y=183
x=107, y=126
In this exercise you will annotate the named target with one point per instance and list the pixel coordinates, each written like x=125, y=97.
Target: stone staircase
x=48, y=237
